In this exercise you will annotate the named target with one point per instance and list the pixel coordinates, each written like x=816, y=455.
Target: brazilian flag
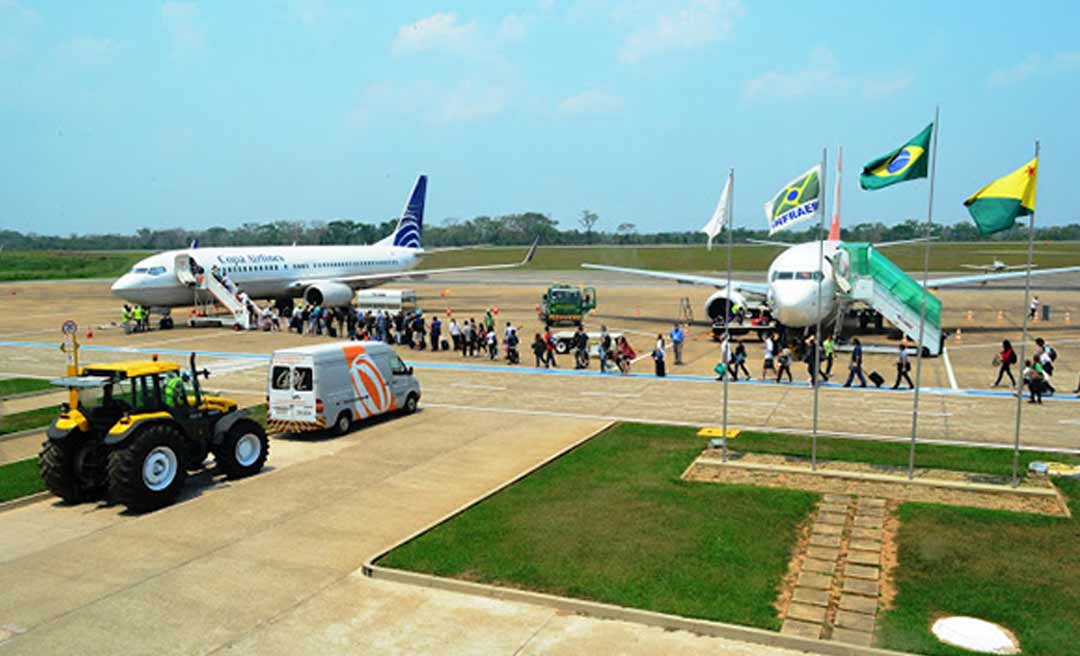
x=907, y=162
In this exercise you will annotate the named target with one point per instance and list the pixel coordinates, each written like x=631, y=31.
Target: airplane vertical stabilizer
x=411, y=225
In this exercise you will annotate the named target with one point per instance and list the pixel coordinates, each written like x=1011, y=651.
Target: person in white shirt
x=658, y=356
x=768, y=368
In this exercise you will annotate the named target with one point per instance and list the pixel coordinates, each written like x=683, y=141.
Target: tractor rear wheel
x=148, y=472
x=244, y=450
x=67, y=470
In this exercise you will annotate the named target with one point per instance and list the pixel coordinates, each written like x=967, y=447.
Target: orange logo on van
x=373, y=395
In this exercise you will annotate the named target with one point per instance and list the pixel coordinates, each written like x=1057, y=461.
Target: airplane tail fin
x=834, y=229
x=411, y=224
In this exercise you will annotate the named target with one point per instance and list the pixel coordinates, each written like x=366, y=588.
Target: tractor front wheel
x=244, y=450
x=148, y=472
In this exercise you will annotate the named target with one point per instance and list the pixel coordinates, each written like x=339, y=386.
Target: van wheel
x=410, y=404
x=343, y=424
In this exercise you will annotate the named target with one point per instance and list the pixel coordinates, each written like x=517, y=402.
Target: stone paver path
x=838, y=585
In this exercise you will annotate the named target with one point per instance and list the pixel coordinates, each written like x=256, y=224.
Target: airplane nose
x=124, y=283
x=795, y=306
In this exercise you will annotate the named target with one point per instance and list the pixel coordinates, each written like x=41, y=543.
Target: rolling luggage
x=876, y=379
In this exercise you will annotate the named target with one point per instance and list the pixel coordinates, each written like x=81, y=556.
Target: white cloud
x=472, y=101
x=441, y=31
x=185, y=25
x=511, y=28
x=590, y=101
x=1035, y=65
x=698, y=23
x=820, y=75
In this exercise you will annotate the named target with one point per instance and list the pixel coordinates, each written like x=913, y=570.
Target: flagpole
x=1024, y=338
x=729, y=220
x=817, y=331
x=922, y=307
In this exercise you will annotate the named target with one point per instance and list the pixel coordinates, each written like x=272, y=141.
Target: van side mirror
x=409, y=370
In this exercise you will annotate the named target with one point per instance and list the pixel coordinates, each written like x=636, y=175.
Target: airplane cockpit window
x=783, y=275
x=139, y=270
x=156, y=271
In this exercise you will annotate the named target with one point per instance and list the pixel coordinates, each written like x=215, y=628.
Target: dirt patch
x=798, y=555
x=708, y=468
x=890, y=556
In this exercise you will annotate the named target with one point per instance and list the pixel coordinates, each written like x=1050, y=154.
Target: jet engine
x=714, y=307
x=329, y=293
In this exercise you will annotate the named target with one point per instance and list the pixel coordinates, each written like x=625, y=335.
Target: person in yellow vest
x=125, y=315
x=175, y=394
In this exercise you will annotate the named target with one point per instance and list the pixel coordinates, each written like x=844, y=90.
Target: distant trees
x=506, y=230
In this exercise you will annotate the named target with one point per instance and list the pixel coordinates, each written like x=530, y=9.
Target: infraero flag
x=798, y=201
x=907, y=162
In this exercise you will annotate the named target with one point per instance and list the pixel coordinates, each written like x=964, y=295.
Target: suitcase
x=876, y=379
x=444, y=345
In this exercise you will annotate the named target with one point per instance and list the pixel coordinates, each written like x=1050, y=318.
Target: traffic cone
x=495, y=311
x=449, y=313
x=959, y=335
x=1001, y=316
x=1068, y=318
x=971, y=315
x=89, y=333
x=637, y=311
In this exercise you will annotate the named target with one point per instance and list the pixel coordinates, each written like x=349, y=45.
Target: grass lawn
x=19, y=479
x=54, y=265
x=20, y=421
x=10, y=386
x=612, y=522
x=1019, y=570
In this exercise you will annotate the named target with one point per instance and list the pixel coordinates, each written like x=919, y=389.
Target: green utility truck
x=566, y=305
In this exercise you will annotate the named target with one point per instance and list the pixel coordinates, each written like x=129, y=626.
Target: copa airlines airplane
x=322, y=275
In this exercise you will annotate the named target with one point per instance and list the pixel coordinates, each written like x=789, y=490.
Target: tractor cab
x=567, y=305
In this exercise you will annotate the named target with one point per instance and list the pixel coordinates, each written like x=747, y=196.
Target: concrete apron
x=204, y=574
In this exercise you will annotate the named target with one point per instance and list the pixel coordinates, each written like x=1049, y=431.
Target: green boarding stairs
x=864, y=275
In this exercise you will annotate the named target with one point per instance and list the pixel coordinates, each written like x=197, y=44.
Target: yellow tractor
x=133, y=430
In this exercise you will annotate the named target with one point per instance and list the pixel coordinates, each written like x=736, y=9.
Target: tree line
x=507, y=230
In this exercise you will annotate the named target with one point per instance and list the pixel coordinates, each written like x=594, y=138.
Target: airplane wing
x=746, y=287
x=990, y=277
x=976, y=267
x=420, y=274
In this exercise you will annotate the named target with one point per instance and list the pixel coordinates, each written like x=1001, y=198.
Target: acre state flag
x=996, y=206
x=907, y=162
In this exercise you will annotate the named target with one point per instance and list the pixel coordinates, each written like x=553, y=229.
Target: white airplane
x=322, y=275
x=998, y=266
x=790, y=292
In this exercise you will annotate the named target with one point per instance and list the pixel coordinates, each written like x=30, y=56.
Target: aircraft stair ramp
x=210, y=291
x=865, y=275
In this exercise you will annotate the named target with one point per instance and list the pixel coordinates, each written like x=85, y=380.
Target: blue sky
x=121, y=115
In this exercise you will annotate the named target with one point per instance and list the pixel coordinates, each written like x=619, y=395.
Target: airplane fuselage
x=801, y=288
x=260, y=271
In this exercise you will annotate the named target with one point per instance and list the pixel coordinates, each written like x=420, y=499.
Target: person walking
x=1005, y=360
x=1034, y=379
x=740, y=360
x=512, y=355
x=455, y=334
x=811, y=356
x=625, y=356
x=829, y=347
x=768, y=366
x=1034, y=307
x=436, y=333
x=492, y=345
x=605, y=348
x=658, y=357
x=539, y=349
x=903, y=366
x=677, y=336
x=549, y=340
x=784, y=364
x=581, y=349
x=1045, y=355
x=855, y=366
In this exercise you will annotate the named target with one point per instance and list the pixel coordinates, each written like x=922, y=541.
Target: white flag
x=722, y=216
x=798, y=201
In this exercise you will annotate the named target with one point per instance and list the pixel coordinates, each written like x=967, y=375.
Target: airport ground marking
x=477, y=386
x=890, y=411
x=556, y=371
x=619, y=395
x=948, y=368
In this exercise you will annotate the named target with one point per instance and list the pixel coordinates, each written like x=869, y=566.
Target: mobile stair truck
x=333, y=385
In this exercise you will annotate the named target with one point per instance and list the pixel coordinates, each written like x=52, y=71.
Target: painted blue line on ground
x=588, y=373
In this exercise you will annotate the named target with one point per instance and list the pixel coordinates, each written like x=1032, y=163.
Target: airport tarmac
x=268, y=564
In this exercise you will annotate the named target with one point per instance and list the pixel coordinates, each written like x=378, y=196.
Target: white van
x=332, y=385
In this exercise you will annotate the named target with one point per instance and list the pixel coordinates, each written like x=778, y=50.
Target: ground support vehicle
x=332, y=386
x=134, y=429
x=566, y=305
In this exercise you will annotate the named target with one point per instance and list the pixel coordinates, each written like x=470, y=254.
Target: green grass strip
x=20, y=421
x=1018, y=570
x=19, y=479
x=11, y=386
x=612, y=522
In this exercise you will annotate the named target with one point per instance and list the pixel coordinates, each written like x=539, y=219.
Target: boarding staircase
x=209, y=291
x=865, y=275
